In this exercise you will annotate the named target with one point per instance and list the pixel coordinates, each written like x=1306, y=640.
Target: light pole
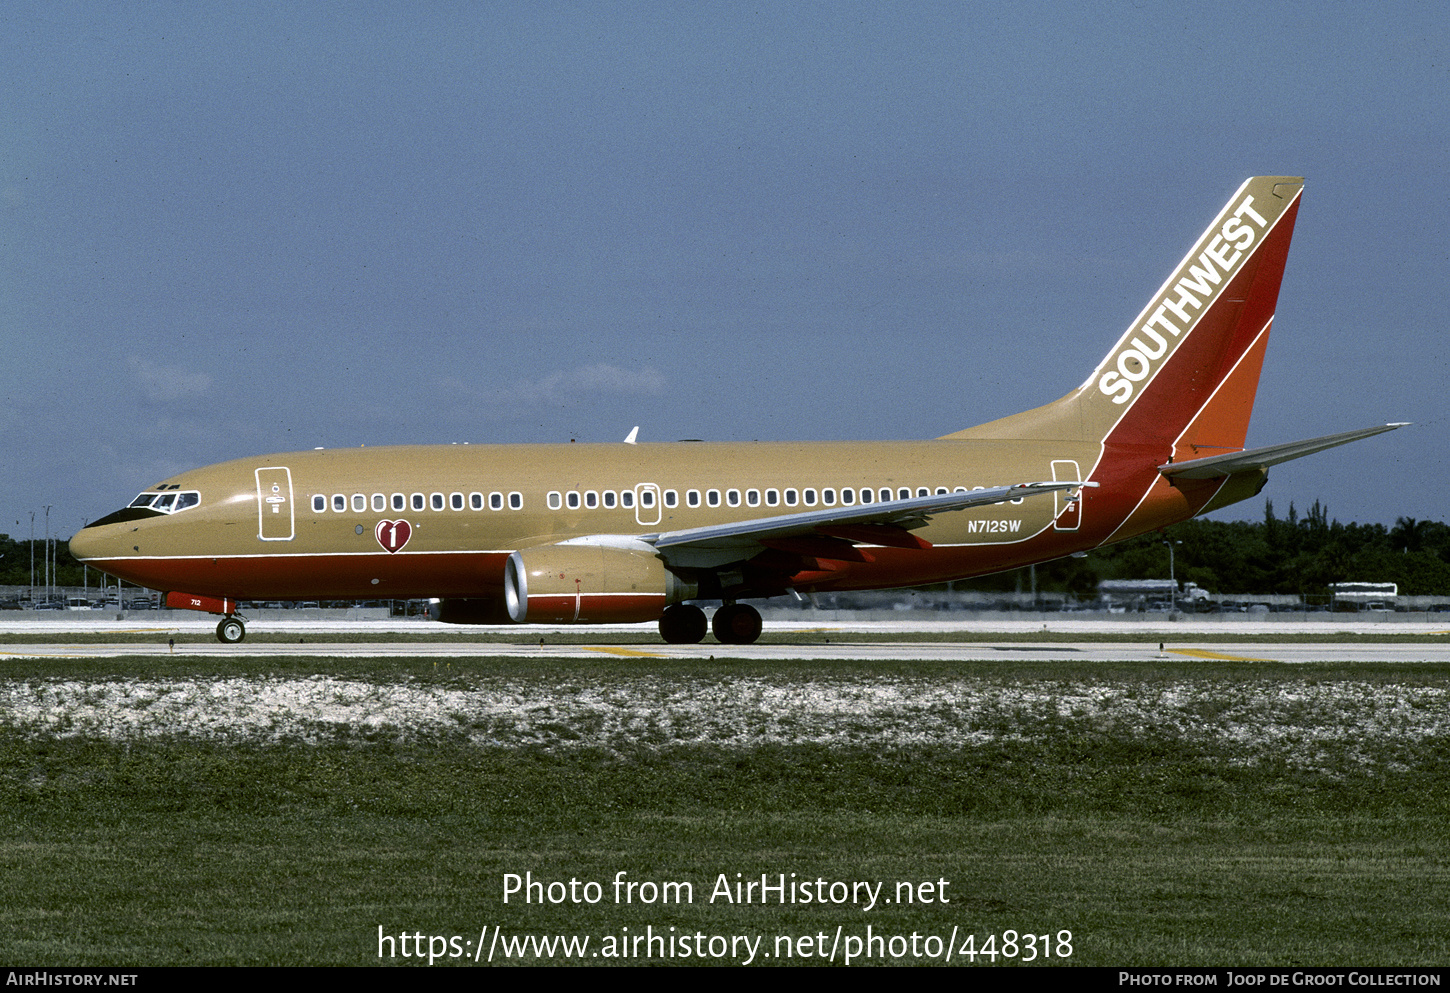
x=49, y=575
x=1173, y=580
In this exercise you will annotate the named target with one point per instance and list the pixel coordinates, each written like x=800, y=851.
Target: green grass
x=1151, y=845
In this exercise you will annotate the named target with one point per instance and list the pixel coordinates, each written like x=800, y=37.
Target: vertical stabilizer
x=1184, y=374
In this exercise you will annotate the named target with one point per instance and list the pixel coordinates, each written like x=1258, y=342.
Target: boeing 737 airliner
x=637, y=532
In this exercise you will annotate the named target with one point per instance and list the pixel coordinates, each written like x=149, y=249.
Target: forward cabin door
x=274, y=504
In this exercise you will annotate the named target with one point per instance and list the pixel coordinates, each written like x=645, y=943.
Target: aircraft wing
x=836, y=530
x=1261, y=458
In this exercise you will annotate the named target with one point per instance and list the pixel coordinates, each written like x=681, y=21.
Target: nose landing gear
x=231, y=630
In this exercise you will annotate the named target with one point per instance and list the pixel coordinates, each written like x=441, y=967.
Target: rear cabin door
x=1069, y=509
x=274, y=503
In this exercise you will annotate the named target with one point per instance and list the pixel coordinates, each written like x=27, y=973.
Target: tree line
x=1296, y=554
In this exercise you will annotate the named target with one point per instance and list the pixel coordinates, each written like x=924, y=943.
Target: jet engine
x=591, y=581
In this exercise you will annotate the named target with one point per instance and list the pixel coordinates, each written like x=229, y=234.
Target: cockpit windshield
x=168, y=503
x=153, y=503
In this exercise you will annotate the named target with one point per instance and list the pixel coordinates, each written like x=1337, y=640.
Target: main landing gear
x=683, y=624
x=231, y=630
x=734, y=624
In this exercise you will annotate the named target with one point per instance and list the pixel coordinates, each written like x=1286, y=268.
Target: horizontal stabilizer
x=1261, y=458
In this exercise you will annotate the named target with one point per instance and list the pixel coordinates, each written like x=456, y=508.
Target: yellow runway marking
x=623, y=651
x=1200, y=654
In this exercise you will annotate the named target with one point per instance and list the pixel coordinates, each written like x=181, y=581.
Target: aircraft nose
x=91, y=543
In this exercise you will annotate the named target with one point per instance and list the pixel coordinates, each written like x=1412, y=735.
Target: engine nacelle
x=586, y=581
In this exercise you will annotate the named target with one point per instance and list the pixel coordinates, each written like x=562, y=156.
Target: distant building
x=1364, y=596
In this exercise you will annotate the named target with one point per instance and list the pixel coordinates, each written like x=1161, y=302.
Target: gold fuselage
x=237, y=543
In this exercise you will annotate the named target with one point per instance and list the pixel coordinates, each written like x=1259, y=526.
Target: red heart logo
x=393, y=535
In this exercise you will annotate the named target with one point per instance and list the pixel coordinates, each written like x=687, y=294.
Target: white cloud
x=585, y=381
x=165, y=384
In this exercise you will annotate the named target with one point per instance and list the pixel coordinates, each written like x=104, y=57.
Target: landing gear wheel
x=683, y=624
x=231, y=630
x=736, y=624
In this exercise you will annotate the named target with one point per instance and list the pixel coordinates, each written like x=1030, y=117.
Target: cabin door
x=1069, y=508
x=647, y=504
x=274, y=503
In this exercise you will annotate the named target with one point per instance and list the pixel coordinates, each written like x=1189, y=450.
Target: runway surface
x=1099, y=652
x=839, y=642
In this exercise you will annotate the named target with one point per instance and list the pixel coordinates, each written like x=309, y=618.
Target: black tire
x=683, y=624
x=230, y=630
x=736, y=624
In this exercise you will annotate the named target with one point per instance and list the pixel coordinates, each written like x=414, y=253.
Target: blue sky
x=229, y=230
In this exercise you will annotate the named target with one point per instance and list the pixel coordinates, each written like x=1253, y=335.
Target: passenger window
x=941, y=491
x=828, y=497
x=791, y=498
x=865, y=495
x=319, y=504
x=516, y=500
x=848, y=496
x=555, y=500
x=591, y=499
x=437, y=501
x=400, y=502
x=922, y=491
x=359, y=503
x=610, y=500
x=646, y=498
x=885, y=494
x=380, y=502
x=495, y=501
x=339, y=502
x=475, y=501
x=572, y=499
x=672, y=499
x=732, y=497
x=903, y=494
x=772, y=498
x=626, y=498
x=810, y=497
x=420, y=502
x=692, y=498
x=713, y=498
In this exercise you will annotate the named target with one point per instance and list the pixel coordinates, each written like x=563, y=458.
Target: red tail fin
x=1184, y=374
